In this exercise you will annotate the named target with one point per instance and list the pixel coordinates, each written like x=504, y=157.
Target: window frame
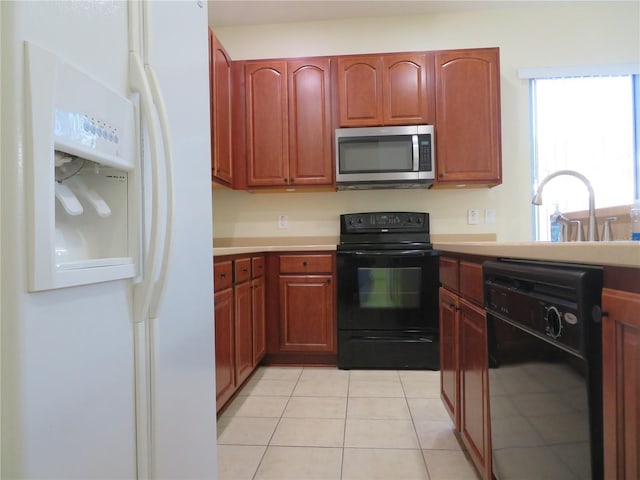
x=532, y=74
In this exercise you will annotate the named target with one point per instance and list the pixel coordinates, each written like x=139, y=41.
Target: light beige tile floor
x=329, y=424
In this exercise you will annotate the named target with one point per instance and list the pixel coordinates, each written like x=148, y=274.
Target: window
x=588, y=124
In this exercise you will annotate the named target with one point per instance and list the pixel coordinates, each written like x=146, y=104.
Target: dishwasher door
x=539, y=397
x=545, y=377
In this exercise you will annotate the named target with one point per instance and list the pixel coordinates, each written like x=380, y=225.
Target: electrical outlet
x=489, y=216
x=283, y=221
x=473, y=217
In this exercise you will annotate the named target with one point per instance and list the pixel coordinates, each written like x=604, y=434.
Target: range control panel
x=383, y=222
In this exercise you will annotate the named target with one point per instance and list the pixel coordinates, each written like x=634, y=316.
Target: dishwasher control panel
x=554, y=319
x=551, y=301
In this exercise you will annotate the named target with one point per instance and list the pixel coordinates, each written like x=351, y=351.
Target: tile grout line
x=344, y=433
x=415, y=429
x=253, y=477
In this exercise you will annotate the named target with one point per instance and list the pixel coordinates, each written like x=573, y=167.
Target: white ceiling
x=240, y=12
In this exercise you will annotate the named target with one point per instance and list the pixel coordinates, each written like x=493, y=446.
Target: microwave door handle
x=416, y=153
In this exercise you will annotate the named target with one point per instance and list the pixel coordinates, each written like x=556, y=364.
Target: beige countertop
x=623, y=254
x=234, y=246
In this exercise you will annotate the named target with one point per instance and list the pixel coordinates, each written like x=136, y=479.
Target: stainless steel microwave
x=385, y=157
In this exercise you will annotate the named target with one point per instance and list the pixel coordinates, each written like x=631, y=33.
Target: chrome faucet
x=592, y=229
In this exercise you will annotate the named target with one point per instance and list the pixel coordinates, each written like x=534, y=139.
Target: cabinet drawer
x=449, y=273
x=242, y=270
x=471, y=281
x=306, y=264
x=257, y=267
x=222, y=277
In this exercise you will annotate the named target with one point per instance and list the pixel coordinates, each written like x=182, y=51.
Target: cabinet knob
x=304, y=264
x=223, y=275
x=441, y=175
x=291, y=180
x=245, y=270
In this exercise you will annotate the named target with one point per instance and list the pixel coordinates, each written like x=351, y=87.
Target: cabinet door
x=621, y=384
x=243, y=331
x=468, y=137
x=267, y=123
x=259, y=317
x=360, y=90
x=225, y=361
x=404, y=87
x=474, y=386
x=449, y=365
x=220, y=96
x=310, y=159
x=307, y=321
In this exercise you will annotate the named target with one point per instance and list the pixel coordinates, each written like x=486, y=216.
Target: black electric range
x=387, y=292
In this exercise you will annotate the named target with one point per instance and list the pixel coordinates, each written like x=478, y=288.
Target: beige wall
x=544, y=36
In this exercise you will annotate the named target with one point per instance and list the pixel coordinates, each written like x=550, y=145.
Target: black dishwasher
x=545, y=369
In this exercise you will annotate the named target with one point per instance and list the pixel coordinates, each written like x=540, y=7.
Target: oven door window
x=387, y=291
x=395, y=288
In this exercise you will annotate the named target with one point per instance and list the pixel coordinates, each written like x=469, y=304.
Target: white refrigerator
x=107, y=362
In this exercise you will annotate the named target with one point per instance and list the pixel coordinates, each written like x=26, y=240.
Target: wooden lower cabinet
x=301, y=310
x=240, y=321
x=307, y=313
x=243, y=331
x=259, y=319
x=225, y=348
x=449, y=363
x=621, y=384
x=464, y=368
x=474, y=386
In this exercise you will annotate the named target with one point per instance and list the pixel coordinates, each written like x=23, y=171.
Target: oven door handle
x=390, y=253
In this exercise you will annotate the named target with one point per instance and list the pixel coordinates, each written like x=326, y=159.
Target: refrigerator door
x=182, y=442
x=73, y=405
x=68, y=401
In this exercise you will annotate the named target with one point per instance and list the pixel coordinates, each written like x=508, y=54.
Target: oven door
x=388, y=290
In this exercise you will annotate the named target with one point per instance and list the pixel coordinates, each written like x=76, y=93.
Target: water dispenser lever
x=90, y=195
x=68, y=199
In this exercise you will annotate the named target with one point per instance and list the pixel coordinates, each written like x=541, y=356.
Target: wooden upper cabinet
x=310, y=158
x=221, y=116
x=467, y=117
x=404, y=86
x=383, y=90
x=267, y=123
x=288, y=123
x=360, y=90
